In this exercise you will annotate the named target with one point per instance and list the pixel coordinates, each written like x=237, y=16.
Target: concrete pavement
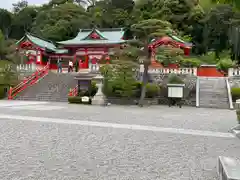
x=71, y=142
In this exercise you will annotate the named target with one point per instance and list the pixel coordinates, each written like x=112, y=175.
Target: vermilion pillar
x=86, y=58
x=187, y=51
x=39, y=57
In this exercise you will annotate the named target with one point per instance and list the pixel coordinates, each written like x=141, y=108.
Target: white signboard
x=85, y=99
x=175, y=92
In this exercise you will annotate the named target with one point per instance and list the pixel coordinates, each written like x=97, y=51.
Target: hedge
x=152, y=90
x=235, y=94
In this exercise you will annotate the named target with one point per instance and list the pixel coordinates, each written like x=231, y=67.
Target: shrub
x=75, y=99
x=174, y=79
x=235, y=93
x=190, y=62
x=152, y=90
x=225, y=64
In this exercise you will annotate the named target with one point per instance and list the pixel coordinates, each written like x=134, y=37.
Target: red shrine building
x=87, y=45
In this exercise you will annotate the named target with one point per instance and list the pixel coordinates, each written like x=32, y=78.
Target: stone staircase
x=53, y=87
x=213, y=93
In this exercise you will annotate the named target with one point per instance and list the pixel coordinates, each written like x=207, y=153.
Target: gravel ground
x=31, y=150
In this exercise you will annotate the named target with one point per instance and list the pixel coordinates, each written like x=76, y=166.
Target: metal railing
x=32, y=79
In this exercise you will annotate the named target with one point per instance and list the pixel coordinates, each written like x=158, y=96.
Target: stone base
x=98, y=100
x=236, y=131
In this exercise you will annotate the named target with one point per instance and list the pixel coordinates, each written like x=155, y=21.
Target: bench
x=228, y=168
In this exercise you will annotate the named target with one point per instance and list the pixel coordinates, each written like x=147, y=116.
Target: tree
x=218, y=23
x=2, y=45
x=169, y=55
x=62, y=22
x=119, y=80
x=19, y=5
x=126, y=5
x=23, y=22
x=146, y=30
x=5, y=22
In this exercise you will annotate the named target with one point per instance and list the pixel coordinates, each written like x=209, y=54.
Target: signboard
x=84, y=84
x=85, y=99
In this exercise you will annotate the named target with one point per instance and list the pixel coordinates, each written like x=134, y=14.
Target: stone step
x=54, y=87
x=213, y=93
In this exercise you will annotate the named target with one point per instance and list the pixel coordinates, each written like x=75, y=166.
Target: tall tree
x=5, y=22
x=23, y=21
x=146, y=31
x=61, y=22
x=2, y=45
x=218, y=23
x=19, y=5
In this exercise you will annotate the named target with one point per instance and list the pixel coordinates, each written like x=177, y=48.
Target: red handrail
x=73, y=92
x=27, y=82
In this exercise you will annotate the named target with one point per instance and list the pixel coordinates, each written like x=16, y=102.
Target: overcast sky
x=7, y=4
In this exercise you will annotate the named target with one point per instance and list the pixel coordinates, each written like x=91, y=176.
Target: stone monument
x=99, y=98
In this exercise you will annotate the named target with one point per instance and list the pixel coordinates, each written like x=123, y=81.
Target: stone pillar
x=99, y=98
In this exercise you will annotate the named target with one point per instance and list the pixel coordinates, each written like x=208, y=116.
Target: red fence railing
x=12, y=93
x=73, y=92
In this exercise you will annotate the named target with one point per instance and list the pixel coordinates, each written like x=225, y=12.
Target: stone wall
x=162, y=80
x=234, y=81
x=189, y=89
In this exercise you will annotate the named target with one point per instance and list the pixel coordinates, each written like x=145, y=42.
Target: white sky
x=7, y=4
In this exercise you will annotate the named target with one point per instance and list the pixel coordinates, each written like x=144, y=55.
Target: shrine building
x=88, y=44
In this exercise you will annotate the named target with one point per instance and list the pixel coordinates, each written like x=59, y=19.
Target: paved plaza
x=58, y=141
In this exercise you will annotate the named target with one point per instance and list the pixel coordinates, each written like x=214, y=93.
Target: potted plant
x=175, y=90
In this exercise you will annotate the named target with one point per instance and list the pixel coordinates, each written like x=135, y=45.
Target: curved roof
x=106, y=36
x=42, y=43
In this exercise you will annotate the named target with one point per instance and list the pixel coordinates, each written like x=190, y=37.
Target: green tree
x=147, y=30
x=23, y=22
x=2, y=45
x=218, y=23
x=62, y=22
x=5, y=22
x=20, y=5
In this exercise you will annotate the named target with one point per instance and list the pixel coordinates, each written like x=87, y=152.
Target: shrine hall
x=87, y=45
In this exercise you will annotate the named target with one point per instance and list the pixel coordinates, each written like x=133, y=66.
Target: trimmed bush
x=75, y=99
x=190, y=62
x=235, y=94
x=174, y=79
x=224, y=65
x=152, y=90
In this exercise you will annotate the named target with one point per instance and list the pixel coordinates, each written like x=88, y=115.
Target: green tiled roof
x=102, y=37
x=109, y=36
x=91, y=42
x=42, y=43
